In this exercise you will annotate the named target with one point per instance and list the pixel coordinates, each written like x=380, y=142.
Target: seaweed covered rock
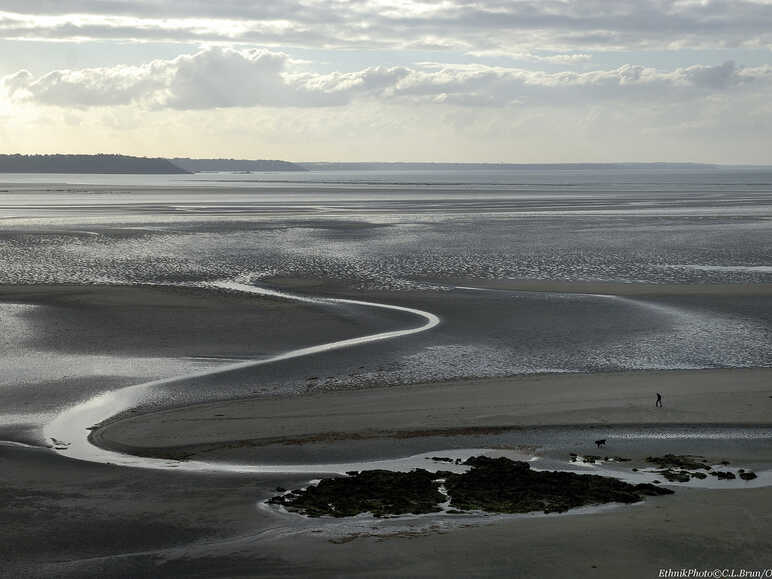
x=675, y=475
x=681, y=475
x=491, y=484
x=724, y=474
x=505, y=486
x=682, y=468
x=593, y=458
x=379, y=492
x=682, y=461
x=440, y=459
x=588, y=458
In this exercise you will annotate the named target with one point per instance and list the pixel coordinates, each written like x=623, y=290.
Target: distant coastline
x=126, y=164
x=86, y=164
x=234, y=165
x=374, y=166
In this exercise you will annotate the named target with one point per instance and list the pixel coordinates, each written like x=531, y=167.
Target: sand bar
x=718, y=396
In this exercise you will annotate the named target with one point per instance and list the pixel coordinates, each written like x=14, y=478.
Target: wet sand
x=68, y=518
x=73, y=519
x=166, y=320
x=64, y=343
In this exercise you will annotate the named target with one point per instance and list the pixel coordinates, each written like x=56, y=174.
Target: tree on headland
x=100, y=163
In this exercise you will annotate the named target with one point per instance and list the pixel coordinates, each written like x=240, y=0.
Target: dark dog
x=601, y=442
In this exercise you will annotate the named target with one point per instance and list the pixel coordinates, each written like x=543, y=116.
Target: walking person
x=659, y=400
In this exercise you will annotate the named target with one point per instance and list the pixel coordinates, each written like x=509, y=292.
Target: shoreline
x=616, y=288
x=711, y=397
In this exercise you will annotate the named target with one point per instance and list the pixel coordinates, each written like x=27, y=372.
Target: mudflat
x=73, y=519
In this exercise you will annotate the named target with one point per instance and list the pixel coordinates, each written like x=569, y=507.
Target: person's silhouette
x=659, y=400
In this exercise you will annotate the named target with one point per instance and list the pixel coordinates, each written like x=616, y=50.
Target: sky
x=519, y=81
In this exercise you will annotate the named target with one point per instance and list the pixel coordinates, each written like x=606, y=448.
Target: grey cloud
x=453, y=24
x=715, y=77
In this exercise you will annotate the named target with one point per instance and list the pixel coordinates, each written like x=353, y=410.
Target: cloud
x=212, y=78
x=220, y=78
x=224, y=78
x=479, y=85
x=486, y=25
x=82, y=88
x=717, y=77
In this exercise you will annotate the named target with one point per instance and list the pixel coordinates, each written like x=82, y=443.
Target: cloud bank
x=225, y=77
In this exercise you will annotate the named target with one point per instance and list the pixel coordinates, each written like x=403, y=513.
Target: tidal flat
x=173, y=353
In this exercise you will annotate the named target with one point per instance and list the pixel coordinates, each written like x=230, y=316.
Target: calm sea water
x=506, y=179
x=386, y=228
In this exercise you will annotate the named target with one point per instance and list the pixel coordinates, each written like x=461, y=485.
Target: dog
x=601, y=442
